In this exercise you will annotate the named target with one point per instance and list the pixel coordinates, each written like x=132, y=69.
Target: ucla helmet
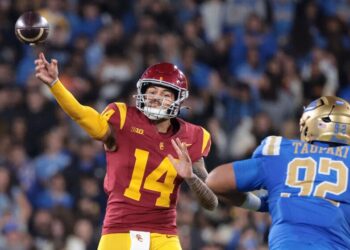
x=326, y=119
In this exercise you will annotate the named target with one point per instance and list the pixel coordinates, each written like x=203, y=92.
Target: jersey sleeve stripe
x=272, y=145
x=285, y=195
x=107, y=113
x=122, y=111
x=206, y=137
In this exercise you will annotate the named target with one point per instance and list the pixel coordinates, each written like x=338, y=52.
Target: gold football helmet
x=326, y=119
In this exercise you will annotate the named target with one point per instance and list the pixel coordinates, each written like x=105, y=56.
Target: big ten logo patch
x=135, y=130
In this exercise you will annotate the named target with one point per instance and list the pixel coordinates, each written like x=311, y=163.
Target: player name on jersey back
x=306, y=148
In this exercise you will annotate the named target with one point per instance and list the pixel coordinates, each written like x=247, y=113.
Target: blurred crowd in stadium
x=252, y=65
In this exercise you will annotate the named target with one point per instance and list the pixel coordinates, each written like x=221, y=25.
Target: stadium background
x=252, y=65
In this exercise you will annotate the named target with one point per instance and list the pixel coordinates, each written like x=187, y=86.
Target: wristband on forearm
x=252, y=202
x=53, y=82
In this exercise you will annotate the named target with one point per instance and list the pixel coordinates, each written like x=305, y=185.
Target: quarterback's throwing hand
x=45, y=71
x=183, y=164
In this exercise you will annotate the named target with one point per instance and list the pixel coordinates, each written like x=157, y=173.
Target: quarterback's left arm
x=194, y=175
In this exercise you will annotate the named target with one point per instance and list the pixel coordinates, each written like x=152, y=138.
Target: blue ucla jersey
x=309, y=192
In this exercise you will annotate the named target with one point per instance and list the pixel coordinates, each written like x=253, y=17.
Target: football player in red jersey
x=141, y=182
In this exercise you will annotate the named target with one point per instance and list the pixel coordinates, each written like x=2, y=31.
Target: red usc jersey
x=141, y=183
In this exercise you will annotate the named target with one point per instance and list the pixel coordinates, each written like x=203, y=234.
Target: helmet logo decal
x=311, y=106
x=339, y=103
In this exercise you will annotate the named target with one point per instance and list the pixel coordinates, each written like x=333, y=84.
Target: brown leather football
x=31, y=28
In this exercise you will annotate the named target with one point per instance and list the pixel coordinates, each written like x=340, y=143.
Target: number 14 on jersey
x=165, y=187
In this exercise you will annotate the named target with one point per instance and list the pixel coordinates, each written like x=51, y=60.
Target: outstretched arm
x=184, y=168
x=88, y=118
x=222, y=180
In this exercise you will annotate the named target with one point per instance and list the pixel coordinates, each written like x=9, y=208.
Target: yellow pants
x=121, y=241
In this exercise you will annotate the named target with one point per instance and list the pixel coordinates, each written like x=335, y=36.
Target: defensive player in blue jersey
x=307, y=180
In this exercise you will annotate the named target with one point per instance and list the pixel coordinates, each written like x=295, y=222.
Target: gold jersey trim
x=206, y=137
x=272, y=146
x=122, y=111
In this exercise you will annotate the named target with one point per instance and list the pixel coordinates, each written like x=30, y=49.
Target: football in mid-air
x=31, y=28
